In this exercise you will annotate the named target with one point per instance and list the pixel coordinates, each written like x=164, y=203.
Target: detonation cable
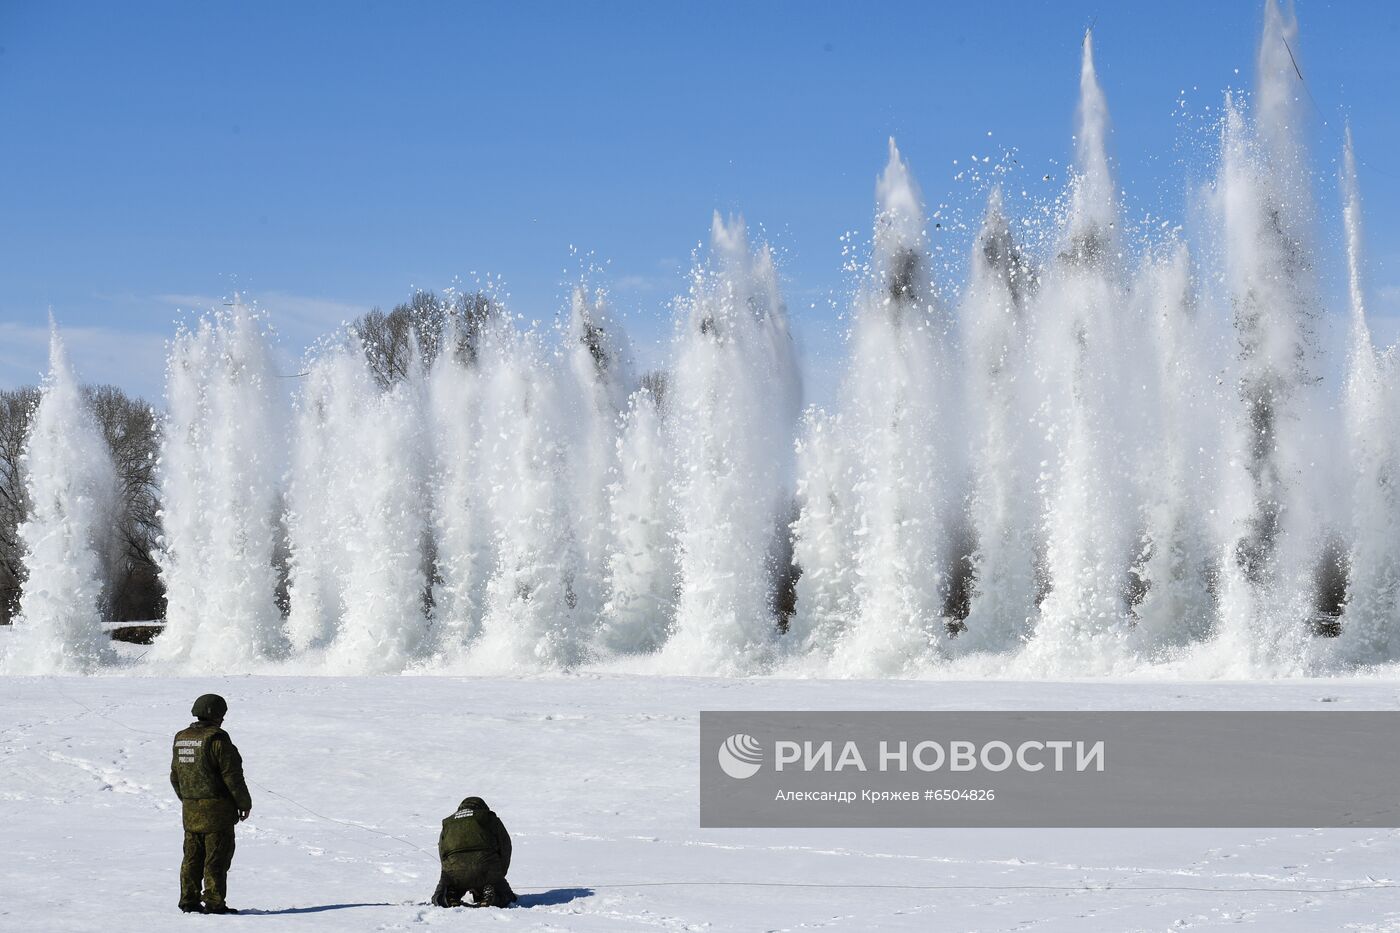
x=1299, y=72
x=976, y=887
x=331, y=819
x=101, y=715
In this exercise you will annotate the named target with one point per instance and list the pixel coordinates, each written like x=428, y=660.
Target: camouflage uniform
x=207, y=774
x=475, y=851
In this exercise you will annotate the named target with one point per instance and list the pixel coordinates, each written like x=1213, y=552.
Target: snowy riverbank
x=596, y=778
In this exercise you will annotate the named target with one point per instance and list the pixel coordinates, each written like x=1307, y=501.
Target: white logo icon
x=741, y=756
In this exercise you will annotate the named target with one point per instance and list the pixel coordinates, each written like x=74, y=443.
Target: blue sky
x=325, y=158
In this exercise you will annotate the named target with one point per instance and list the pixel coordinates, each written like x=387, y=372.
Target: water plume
x=464, y=549
x=642, y=572
x=1090, y=532
x=1372, y=408
x=67, y=539
x=1106, y=451
x=895, y=402
x=1177, y=567
x=734, y=399
x=359, y=572
x=220, y=484
x=598, y=365
x=1003, y=506
x=533, y=614
x=824, y=539
x=1267, y=589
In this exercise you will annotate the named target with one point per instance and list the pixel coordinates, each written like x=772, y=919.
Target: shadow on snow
x=553, y=898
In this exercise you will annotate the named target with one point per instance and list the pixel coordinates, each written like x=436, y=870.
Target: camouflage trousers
x=461, y=877
x=207, y=859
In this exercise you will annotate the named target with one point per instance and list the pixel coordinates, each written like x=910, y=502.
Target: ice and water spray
x=1097, y=456
x=359, y=516
x=1372, y=402
x=220, y=481
x=901, y=461
x=68, y=540
x=733, y=400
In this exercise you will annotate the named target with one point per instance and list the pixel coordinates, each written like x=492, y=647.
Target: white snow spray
x=1372, y=406
x=220, y=486
x=359, y=516
x=1273, y=540
x=598, y=377
x=460, y=523
x=896, y=412
x=1106, y=451
x=533, y=617
x=1003, y=506
x=69, y=536
x=1089, y=526
x=734, y=402
x=642, y=562
x=825, y=544
x=1177, y=561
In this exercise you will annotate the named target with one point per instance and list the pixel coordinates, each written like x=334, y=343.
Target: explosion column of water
x=824, y=544
x=1177, y=606
x=1268, y=595
x=896, y=413
x=358, y=520
x=383, y=626
x=1369, y=630
x=533, y=617
x=1090, y=531
x=599, y=375
x=1004, y=509
x=318, y=511
x=735, y=400
x=642, y=573
x=220, y=493
x=67, y=538
x=462, y=535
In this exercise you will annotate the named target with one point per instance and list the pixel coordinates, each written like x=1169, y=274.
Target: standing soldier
x=475, y=852
x=207, y=774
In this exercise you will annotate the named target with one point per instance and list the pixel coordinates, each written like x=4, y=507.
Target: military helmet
x=210, y=707
x=474, y=803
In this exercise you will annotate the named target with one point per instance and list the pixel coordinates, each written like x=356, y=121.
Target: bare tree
x=16, y=412
x=391, y=340
x=656, y=382
x=131, y=427
x=423, y=325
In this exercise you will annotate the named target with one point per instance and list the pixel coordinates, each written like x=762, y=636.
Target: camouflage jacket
x=475, y=834
x=207, y=774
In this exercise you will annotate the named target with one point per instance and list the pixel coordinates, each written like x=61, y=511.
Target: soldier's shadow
x=552, y=898
x=322, y=908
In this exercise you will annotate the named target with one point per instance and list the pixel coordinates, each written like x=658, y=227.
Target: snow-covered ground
x=596, y=776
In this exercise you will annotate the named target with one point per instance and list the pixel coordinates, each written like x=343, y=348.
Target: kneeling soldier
x=475, y=852
x=207, y=774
